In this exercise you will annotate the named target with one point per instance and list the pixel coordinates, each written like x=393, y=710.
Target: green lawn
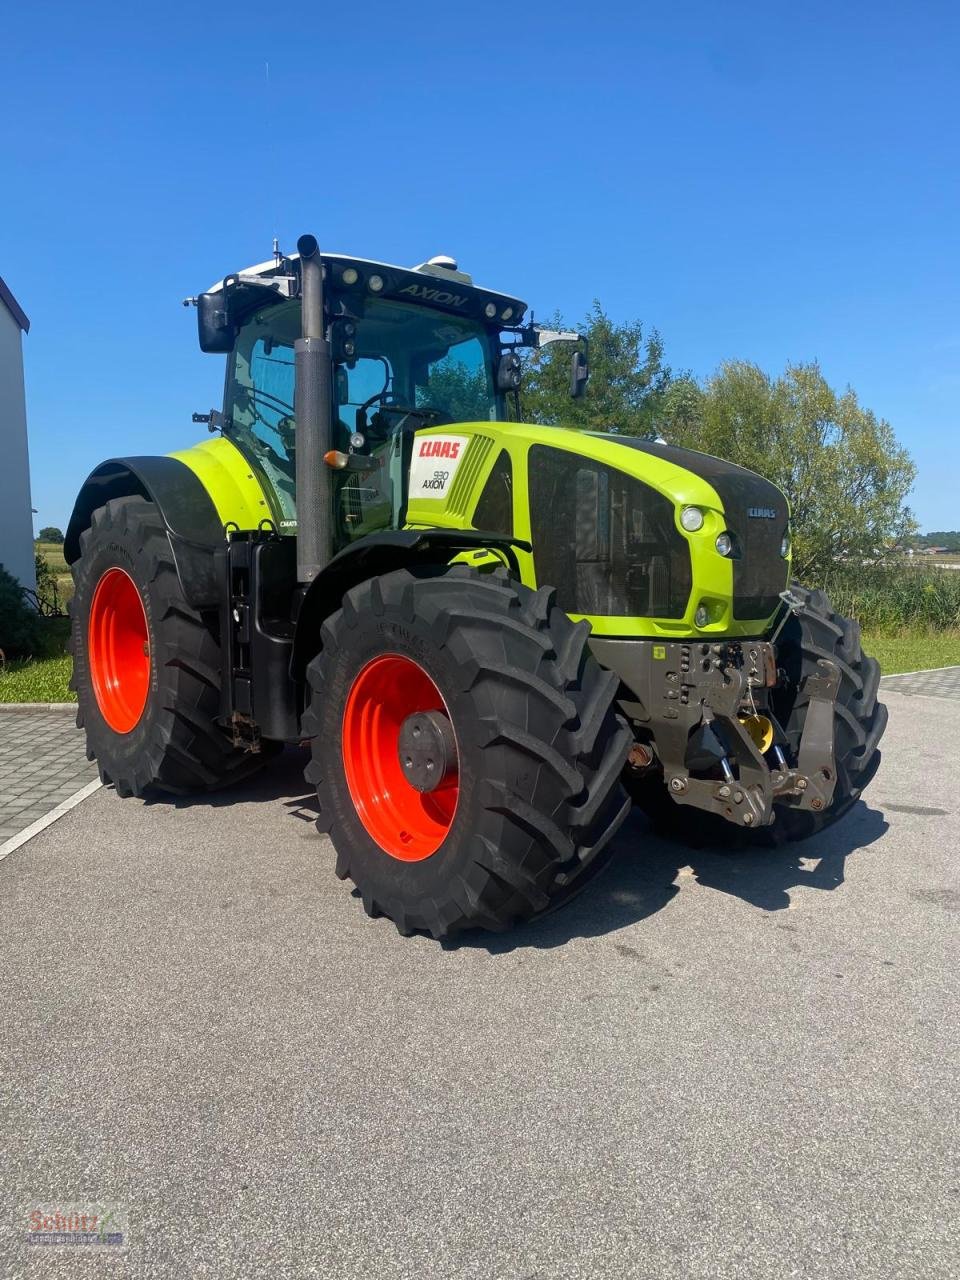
x=913, y=650
x=46, y=680
x=41, y=681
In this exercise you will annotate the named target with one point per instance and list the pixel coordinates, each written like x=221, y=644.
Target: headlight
x=724, y=544
x=785, y=545
x=691, y=519
x=701, y=617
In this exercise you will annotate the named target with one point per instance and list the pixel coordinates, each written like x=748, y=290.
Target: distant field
x=951, y=561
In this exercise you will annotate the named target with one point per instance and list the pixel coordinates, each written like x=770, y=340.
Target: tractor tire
x=859, y=721
x=146, y=666
x=520, y=728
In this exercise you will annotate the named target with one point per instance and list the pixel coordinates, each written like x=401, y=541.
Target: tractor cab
x=410, y=349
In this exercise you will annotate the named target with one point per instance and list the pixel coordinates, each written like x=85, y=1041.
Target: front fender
x=380, y=553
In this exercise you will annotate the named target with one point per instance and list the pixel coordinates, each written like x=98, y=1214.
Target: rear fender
x=188, y=512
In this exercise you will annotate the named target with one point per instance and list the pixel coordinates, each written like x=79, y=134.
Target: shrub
x=20, y=630
x=889, y=597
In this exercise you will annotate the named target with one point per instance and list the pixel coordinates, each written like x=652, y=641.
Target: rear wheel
x=466, y=750
x=146, y=666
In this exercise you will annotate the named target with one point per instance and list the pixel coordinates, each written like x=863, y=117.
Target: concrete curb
x=26, y=707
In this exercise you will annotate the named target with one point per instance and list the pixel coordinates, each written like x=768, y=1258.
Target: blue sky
x=764, y=182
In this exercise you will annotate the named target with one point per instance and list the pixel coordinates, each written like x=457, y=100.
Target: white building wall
x=16, y=522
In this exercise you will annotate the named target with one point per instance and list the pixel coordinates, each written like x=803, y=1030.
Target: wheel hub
x=118, y=650
x=409, y=817
x=427, y=750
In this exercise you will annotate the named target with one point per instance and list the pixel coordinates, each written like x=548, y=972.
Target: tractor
x=496, y=637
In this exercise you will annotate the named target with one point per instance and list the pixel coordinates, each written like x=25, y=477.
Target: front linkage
x=703, y=710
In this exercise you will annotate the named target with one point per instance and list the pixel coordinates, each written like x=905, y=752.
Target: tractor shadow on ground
x=641, y=879
x=279, y=781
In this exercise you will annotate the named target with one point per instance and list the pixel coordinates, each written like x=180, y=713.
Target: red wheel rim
x=406, y=823
x=118, y=649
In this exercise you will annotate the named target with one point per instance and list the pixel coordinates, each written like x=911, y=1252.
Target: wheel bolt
x=748, y=819
x=678, y=785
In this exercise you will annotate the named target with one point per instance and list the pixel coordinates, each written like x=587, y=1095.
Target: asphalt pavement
x=709, y=1065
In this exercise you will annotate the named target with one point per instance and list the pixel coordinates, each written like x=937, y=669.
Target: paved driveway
x=43, y=765
x=708, y=1066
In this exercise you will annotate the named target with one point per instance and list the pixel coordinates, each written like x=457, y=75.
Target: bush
x=890, y=597
x=48, y=593
x=20, y=629
x=51, y=534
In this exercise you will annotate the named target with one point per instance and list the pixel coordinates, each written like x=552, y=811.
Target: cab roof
x=437, y=283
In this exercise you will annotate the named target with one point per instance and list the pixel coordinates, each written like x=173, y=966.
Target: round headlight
x=785, y=545
x=376, y=284
x=691, y=519
x=506, y=313
x=350, y=276
x=490, y=310
x=724, y=544
x=701, y=617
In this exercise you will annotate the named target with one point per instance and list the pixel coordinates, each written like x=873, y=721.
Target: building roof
x=14, y=307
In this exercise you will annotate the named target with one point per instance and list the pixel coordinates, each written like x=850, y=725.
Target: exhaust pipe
x=313, y=408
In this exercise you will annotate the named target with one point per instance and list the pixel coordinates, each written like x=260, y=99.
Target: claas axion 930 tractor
x=495, y=636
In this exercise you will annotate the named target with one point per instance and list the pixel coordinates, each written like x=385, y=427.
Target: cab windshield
x=413, y=367
x=413, y=358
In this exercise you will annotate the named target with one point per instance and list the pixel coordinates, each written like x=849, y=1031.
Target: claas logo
x=439, y=448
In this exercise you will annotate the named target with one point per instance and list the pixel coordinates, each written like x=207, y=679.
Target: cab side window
x=259, y=408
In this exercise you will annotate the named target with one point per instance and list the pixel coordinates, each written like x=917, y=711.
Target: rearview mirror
x=214, y=329
x=579, y=373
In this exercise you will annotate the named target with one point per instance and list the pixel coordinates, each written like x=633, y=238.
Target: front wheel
x=466, y=750
x=859, y=719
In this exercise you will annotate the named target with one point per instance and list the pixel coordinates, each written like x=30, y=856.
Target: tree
x=51, y=534
x=627, y=379
x=845, y=476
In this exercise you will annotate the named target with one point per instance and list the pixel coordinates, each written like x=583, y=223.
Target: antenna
x=276, y=243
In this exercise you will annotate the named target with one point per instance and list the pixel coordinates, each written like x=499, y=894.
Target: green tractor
x=495, y=636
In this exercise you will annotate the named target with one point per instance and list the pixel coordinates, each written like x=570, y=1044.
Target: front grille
x=606, y=541
x=760, y=574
